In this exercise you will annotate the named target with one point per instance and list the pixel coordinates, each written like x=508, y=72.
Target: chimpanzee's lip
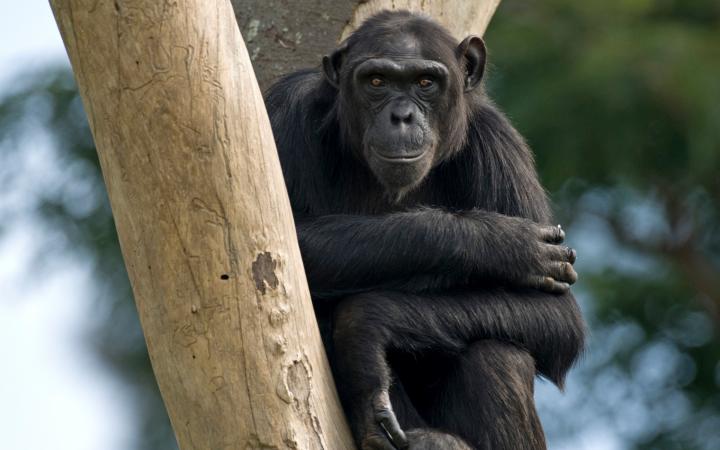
x=400, y=159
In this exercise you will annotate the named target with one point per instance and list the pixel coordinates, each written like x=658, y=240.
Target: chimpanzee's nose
x=402, y=114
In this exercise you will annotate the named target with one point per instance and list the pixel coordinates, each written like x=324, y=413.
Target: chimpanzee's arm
x=427, y=248
x=431, y=248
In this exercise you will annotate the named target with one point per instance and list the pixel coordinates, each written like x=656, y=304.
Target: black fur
x=423, y=295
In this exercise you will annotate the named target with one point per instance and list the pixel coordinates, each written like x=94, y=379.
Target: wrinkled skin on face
x=404, y=102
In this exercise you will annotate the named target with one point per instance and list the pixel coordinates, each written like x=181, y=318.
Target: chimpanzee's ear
x=331, y=64
x=471, y=54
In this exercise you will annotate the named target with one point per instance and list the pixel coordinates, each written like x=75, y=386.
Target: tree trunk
x=283, y=36
x=201, y=209
x=204, y=223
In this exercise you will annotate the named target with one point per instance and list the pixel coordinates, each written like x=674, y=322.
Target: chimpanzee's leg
x=487, y=399
x=363, y=377
x=368, y=326
x=365, y=381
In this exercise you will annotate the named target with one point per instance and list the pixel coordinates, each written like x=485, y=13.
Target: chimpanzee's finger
x=376, y=442
x=548, y=284
x=389, y=423
x=572, y=255
x=560, y=253
x=552, y=234
x=563, y=271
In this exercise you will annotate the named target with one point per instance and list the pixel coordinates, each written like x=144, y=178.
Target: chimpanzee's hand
x=522, y=252
x=381, y=430
x=551, y=268
x=516, y=251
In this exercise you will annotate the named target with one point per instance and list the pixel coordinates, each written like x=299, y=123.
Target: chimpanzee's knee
x=363, y=320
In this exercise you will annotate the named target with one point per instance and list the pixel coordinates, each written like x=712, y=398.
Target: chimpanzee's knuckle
x=560, y=234
x=571, y=273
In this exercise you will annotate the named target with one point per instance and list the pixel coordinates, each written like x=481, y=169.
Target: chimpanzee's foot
x=382, y=431
x=427, y=439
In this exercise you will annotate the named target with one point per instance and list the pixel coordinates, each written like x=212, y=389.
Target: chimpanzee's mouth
x=401, y=158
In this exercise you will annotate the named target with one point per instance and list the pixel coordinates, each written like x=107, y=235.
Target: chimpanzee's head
x=402, y=84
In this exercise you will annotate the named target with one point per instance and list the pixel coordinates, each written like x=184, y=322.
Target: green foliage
x=619, y=99
x=614, y=91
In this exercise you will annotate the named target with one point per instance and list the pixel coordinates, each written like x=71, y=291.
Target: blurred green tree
x=72, y=207
x=619, y=99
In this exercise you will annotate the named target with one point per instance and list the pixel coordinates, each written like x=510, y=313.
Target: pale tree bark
x=204, y=223
x=286, y=36
x=203, y=216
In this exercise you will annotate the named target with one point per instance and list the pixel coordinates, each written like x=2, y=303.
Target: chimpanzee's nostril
x=404, y=117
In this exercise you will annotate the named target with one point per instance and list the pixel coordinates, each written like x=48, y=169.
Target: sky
x=53, y=393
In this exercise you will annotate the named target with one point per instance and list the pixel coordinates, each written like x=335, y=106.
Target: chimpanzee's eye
x=425, y=83
x=377, y=82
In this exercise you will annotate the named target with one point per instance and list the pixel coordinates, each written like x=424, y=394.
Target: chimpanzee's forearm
x=350, y=253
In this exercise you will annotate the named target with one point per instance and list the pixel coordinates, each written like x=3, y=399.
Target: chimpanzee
x=439, y=285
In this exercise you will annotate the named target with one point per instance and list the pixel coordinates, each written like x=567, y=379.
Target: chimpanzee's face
x=403, y=103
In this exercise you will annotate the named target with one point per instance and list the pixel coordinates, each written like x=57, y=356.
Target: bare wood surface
x=204, y=223
x=461, y=17
x=283, y=37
